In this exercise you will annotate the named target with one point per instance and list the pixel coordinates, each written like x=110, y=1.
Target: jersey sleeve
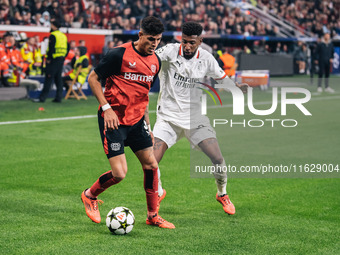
x=156, y=76
x=163, y=52
x=214, y=70
x=111, y=63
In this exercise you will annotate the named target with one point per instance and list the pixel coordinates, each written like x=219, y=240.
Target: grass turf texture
x=45, y=166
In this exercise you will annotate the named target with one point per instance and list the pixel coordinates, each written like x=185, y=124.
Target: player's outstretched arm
x=227, y=83
x=110, y=117
x=242, y=86
x=217, y=73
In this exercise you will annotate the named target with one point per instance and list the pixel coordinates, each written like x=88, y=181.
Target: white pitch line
x=46, y=120
x=152, y=111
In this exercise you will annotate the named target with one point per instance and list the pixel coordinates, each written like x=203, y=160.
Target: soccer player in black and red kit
x=129, y=71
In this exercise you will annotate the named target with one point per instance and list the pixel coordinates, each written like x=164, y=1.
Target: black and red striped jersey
x=128, y=76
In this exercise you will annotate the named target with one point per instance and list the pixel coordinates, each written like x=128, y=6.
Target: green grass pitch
x=45, y=166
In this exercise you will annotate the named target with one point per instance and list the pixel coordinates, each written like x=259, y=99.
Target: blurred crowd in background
x=216, y=16
x=25, y=57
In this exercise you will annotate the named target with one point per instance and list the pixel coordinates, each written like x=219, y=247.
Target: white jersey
x=179, y=82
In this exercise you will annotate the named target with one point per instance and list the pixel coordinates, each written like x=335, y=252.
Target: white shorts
x=171, y=133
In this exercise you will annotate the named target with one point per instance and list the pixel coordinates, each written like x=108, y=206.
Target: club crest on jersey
x=199, y=67
x=153, y=68
x=133, y=65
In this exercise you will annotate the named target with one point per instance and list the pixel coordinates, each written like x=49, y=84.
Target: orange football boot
x=91, y=207
x=228, y=206
x=157, y=220
x=160, y=199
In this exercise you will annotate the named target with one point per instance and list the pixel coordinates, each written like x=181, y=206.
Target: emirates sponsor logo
x=138, y=77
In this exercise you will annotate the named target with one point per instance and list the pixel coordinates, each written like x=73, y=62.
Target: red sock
x=151, y=188
x=105, y=181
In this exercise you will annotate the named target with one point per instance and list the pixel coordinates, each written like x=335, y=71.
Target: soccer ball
x=120, y=220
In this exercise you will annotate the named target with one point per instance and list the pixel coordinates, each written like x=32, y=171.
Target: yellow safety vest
x=26, y=54
x=38, y=56
x=60, y=45
x=32, y=57
x=83, y=72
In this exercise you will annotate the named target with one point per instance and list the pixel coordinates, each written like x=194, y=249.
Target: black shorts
x=137, y=137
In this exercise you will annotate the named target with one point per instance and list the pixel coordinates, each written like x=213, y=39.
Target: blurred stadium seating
x=284, y=18
x=286, y=27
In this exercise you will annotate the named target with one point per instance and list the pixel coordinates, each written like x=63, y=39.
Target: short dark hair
x=152, y=25
x=192, y=28
x=8, y=33
x=56, y=23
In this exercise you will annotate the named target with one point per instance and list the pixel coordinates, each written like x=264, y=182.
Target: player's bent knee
x=118, y=167
x=217, y=160
x=151, y=165
x=119, y=176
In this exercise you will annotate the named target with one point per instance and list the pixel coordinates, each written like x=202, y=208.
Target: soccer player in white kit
x=183, y=65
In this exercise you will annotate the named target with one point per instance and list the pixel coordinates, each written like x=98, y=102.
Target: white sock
x=160, y=188
x=221, y=179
